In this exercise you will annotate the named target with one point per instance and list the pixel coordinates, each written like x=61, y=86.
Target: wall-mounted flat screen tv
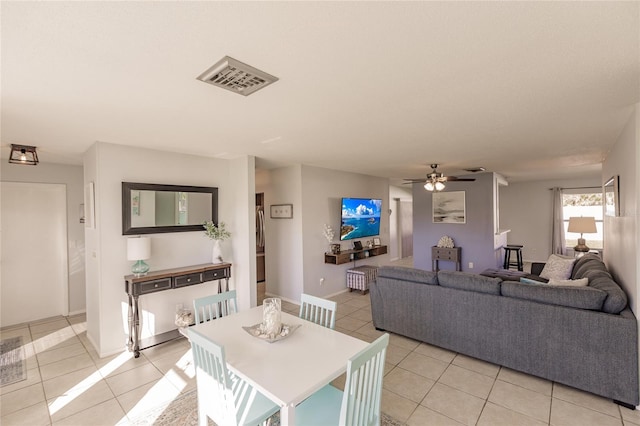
x=360, y=218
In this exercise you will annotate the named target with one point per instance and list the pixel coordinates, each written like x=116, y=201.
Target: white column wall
x=108, y=165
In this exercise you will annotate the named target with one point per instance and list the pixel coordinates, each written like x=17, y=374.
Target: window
x=577, y=203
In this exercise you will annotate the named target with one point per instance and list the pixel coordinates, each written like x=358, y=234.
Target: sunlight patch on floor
x=167, y=389
x=85, y=384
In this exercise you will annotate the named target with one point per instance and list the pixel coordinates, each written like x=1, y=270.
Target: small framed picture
x=376, y=241
x=281, y=211
x=335, y=248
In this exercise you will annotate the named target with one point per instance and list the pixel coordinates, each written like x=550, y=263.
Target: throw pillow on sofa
x=525, y=280
x=558, y=267
x=570, y=283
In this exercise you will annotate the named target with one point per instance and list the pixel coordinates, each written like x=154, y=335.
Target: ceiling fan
x=435, y=180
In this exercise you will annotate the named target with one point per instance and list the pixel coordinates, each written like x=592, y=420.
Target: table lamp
x=582, y=225
x=139, y=249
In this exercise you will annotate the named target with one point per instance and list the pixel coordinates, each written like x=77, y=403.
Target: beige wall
x=108, y=165
x=621, y=234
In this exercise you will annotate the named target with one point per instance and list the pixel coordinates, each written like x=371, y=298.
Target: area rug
x=183, y=411
x=13, y=366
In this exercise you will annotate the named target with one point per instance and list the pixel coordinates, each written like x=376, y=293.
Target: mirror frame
x=127, y=187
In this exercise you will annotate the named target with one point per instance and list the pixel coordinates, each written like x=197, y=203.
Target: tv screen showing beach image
x=360, y=218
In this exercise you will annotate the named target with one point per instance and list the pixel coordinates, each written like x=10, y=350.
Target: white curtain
x=557, y=228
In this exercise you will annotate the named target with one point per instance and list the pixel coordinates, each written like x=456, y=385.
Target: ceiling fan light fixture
x=439, y=186
x=429, y=186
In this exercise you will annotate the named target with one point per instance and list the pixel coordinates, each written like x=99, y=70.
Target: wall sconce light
x=23, y=154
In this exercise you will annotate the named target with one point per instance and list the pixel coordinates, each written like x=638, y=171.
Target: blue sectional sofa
x=584, y=337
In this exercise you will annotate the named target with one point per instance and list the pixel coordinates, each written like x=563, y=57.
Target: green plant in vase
x=217, y=233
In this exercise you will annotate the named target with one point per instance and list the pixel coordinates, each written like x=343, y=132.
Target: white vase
x=216, y=255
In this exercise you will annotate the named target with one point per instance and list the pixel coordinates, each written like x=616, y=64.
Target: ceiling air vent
x=233, y=75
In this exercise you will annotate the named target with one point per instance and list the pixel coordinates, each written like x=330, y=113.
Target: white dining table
x=289, y=370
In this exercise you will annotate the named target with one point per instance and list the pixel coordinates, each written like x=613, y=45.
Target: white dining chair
x=215, y=306
x=359, y=404
x=318, y=310
x=222, y=396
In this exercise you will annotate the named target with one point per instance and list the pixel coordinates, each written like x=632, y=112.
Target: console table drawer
x=152, y=286
x=185, y=280
x=215, y=274
x=446, y=253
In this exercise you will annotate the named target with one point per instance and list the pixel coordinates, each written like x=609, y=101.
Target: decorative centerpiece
x=184, y=318
x=217, y=233
x=446, y=242
x=329, y=234
x=271, y=328
x=271, y=317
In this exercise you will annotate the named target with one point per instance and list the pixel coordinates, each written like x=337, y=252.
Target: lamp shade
x=582, y=225
x=138, y=248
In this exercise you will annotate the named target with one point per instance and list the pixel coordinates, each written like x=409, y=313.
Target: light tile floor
x=68, y=384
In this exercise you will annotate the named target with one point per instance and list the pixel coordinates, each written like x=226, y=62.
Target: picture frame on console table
x=611, y=197
x=376, y=241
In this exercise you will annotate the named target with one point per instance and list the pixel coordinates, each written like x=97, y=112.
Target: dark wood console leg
x=130, y=323
x=136, y=328
x=624, y=404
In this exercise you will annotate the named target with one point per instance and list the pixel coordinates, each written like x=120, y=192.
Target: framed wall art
x=449, y=207
x=281, y=211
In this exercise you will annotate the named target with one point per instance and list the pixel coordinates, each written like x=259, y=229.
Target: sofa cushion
x=590, y=266
x=558, y=267
x=586, y=263
x=469, y=282
x=572, y=297
x=616, y=299
x=408, y=274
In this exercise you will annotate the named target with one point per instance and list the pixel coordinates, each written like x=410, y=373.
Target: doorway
x=405, y=225
x=260, y=243
x=33, y=251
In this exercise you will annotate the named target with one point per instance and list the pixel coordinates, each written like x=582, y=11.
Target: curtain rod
x=580, y=187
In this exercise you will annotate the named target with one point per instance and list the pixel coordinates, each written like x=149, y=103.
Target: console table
x=451, y=254
x=167, y=279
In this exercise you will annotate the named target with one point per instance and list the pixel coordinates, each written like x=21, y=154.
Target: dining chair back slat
x=318, y=310
x=359, y=404
x=222, y=396
x=215, y=306
x=363, y=388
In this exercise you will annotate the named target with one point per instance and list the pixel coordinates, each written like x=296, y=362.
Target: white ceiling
x=528, y=89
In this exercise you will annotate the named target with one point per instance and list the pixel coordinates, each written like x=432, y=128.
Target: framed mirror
x=611, y=195
x=149, y=208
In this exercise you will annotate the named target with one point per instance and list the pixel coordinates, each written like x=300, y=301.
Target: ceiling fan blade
x=414, y=180
x=453, y=178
